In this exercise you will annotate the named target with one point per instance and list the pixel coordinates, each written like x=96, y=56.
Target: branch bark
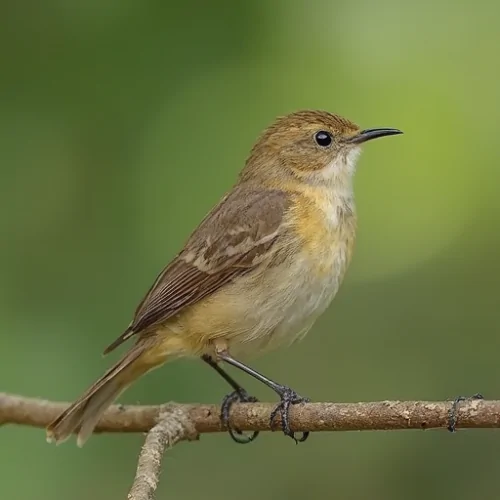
x=384, y=415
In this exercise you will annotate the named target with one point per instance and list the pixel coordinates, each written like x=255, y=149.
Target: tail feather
x=83, y=415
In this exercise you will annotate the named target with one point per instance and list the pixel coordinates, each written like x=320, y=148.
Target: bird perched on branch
x=256, y=273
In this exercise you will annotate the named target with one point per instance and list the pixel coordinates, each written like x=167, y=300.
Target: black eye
x=323, y=138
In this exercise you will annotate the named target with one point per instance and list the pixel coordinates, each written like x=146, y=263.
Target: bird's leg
x=288, y=396
x=239, y=395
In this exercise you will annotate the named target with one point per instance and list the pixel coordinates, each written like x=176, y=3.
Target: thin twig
x=173, y=426
x=384, y=415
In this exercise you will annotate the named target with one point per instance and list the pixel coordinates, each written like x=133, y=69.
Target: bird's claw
x=288, y=398
x=453, y=412
x=240, y=396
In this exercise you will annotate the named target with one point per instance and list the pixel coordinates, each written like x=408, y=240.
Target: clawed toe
x=453, y=412
x=240, y=396
x=288, y=398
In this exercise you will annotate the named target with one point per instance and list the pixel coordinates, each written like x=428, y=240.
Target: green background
x=123, y=122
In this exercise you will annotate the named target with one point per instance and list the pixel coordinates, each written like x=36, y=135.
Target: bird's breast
x=299, y=289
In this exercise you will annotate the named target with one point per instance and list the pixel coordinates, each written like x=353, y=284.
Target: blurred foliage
x=123, y=122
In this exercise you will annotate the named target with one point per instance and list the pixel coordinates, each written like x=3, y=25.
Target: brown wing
x=232, y=239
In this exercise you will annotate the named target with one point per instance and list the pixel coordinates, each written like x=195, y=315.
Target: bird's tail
x=83, y=415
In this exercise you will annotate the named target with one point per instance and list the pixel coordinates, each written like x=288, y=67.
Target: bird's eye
x=323, y=138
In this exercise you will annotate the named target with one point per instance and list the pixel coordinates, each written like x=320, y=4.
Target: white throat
x=339, y=174
x=335, y=183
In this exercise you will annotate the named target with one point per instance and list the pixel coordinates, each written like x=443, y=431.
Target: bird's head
x=312, y=146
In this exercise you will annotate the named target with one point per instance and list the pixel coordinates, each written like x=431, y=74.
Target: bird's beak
x=373, y=133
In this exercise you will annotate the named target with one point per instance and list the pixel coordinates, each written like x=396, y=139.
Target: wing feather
x=235, y=237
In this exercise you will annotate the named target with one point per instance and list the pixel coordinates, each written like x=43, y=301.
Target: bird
x=254, y=275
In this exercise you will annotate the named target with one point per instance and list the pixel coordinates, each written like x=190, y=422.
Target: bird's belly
x=267, y=309
x=295, y=298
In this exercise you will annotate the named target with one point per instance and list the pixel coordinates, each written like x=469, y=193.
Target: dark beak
x=373, y=133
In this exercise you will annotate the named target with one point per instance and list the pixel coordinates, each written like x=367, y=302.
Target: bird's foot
x=239, y=396
x=453, y=412
x=288, y=398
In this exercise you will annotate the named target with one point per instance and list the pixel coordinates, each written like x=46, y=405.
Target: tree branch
x=172, y=427
x=169, y=424
x=384, y=415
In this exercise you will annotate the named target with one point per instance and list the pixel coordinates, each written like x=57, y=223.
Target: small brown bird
x=256, y=273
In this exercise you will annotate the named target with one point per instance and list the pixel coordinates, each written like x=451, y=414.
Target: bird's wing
x=234, y=238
